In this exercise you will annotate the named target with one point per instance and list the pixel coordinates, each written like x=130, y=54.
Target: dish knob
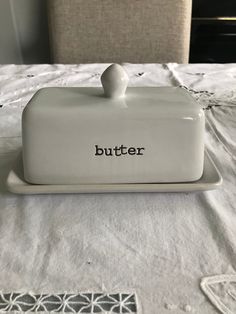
x=114, y=81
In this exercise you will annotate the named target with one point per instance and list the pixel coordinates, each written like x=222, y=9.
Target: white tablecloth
x=155, y=246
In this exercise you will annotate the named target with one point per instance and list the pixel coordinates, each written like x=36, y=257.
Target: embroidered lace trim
x=221, y=291
x=68, y=303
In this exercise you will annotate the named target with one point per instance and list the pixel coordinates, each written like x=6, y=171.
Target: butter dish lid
x=115, y=99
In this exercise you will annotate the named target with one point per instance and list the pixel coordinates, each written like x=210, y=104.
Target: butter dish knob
x=114, y=81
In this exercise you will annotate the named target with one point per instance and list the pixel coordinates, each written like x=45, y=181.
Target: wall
x=23, y=32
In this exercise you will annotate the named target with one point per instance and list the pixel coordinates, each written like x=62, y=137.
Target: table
x=144, y=253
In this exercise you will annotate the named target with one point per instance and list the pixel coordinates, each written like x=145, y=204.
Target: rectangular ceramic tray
x=210, y=180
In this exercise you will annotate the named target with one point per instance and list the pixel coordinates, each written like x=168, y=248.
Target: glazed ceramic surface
x=210, y=180
x=76, y=135
x=114, y=81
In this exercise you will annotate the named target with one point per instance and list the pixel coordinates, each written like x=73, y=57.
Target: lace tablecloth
x=121, y=253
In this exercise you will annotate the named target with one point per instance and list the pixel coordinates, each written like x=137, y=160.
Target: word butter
x=118, y=151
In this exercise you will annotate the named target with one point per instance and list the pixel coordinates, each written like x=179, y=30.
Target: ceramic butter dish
x=112, y=134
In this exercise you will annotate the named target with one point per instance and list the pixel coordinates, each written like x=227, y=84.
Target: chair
x=105, y=31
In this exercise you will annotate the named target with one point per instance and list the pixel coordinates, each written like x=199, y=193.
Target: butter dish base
x=210, y=180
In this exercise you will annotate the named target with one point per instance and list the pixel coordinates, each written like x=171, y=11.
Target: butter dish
x=112, y=135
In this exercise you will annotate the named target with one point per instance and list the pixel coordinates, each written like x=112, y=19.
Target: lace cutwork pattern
x=221, y=291
x=209, y=100
x=69, y=303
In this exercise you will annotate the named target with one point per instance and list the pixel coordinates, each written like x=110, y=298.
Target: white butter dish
x=81, y=136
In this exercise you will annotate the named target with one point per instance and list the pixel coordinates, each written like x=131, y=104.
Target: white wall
x=23, y=31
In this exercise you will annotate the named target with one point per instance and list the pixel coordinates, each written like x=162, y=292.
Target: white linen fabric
x=155, y=246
